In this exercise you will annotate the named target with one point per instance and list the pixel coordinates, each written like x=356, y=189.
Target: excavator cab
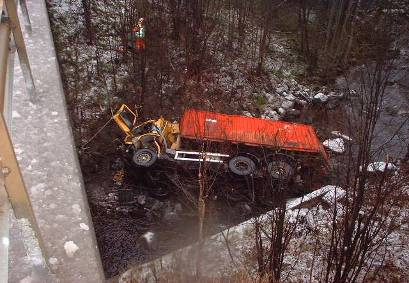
x=125, y=119
x=150, y=139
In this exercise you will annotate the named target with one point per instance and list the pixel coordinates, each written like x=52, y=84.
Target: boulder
x=271, y=114
x=335, y=96
x=293, y=113
x=290, y=97
x=320, y=97
x=300, y=102
x=287, y=104
x=281, y=88
x=247, y=114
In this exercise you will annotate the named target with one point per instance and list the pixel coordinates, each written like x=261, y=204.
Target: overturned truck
x=245, y=145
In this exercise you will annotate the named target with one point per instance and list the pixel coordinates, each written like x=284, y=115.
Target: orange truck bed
x=203, y=125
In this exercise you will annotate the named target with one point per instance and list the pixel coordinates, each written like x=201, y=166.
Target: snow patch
x=321, y=97
x=70, y=248
x=84, y=226
x=5, y=241
x=38, y=188
x=30, y=242
x=334, y=193
x=380, y=166
x=53, y=260
x=15, y=114
x=26, y=279
x=292, y=203
x=148, y=236
x=76, y=208
x=336, y=145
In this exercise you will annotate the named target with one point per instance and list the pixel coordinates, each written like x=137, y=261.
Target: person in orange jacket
x=139, y=35
x=136, y=39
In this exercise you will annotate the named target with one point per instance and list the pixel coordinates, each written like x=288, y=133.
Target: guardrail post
x=21, y=47
x=16, y=190
x=24, y=10
x=4, y=52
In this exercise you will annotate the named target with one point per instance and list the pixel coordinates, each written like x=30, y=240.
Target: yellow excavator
x=151, y=139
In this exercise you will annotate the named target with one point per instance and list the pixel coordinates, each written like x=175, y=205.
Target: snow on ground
x=233, y=249
x=337, y=145
x=70, y=248
x=381, y=166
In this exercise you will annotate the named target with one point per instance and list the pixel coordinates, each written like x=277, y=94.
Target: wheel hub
x=144, y=157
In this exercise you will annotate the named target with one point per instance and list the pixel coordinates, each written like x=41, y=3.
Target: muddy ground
x=128, y=203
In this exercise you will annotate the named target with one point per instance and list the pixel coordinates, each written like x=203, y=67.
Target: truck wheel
x=144, y=157
x=242, y=165
x=280, y=169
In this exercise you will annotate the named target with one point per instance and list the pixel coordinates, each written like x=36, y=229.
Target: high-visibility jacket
x=139, y=38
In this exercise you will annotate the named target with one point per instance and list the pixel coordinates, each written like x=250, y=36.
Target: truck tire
x=280, y=169
x=242, y=165
x=144, y=157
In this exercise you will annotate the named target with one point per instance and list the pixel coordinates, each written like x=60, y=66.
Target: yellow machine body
x=161, y=132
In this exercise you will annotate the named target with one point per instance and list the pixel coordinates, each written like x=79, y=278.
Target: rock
x=271, y=97
x=335, y=96
x=290, y=97
x=149, y=239
x=337, y=145
x=321, y=97
x=282, y=88
x=287, y=104
x=170, y=214
x=332, y=105
x=178, y=207
x=293, y=82
x=53, y=260
x=300, y=102
x=293, y=113
x=281, y=111
x=141, y=199
x=274, y=101
x=403, y=112
x=271, y=114
x=303, y=95
x=247, y=114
